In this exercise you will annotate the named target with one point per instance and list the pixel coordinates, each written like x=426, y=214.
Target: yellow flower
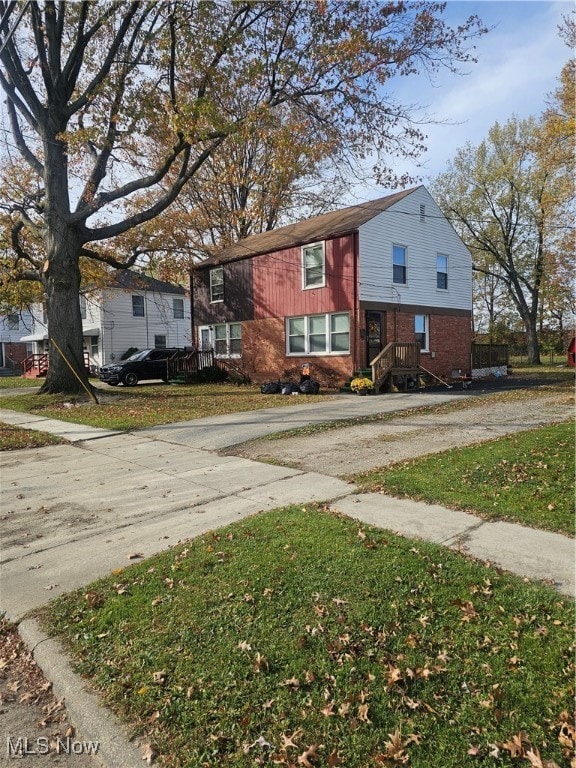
x=361, y=383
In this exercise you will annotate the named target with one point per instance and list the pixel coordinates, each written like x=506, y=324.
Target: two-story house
x=337, y=290
x=133, y=312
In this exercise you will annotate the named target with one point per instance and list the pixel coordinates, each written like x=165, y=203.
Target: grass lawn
x=302, y=638
x=525, y=478
x=149, y=405
x=15, y=438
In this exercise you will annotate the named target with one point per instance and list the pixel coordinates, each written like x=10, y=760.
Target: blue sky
x=519, y=62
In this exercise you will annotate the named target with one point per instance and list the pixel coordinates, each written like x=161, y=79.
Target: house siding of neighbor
x=135, y=312
x=333, y=290
x=12, y=327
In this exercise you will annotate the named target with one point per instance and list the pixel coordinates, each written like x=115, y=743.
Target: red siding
x=278, y=282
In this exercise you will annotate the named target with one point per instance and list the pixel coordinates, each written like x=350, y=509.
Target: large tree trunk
x=532, y=343
x=61, y=280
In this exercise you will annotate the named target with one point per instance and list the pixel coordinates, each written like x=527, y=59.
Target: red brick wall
x=450, y=340
x=16, y=350
x=264, y=359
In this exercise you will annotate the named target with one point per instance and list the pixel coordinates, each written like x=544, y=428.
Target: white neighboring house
x=137, y=311
x=12, y=328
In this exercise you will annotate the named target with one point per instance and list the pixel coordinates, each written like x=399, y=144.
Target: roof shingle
x=317, y=228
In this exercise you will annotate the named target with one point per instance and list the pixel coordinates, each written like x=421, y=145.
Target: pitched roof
x=317, y=228
x=136, y=281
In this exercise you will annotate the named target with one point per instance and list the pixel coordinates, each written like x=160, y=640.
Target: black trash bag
x=271, y=388
x=309, y=387
x=286, y=388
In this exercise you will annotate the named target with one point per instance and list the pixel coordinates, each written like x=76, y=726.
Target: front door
x=374, y=334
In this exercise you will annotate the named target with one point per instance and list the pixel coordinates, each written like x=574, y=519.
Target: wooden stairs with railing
x=399, y=358
x=36, y=366
x=396, y=359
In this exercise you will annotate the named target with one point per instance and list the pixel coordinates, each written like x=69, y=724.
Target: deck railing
x=397, y=357
x=37, y=365
x=189, y=364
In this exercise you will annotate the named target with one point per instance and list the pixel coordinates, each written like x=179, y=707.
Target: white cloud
x=519, y=62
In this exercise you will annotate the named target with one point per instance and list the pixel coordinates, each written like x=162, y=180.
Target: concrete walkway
x=74, y=512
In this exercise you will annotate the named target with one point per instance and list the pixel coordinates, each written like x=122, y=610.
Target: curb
x=93, y=720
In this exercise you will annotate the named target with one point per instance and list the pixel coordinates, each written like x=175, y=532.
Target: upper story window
x=178, y=308
x=217, y=284
x=138, y=306
x=83, y=307
x=313, y=266
x=442, y=271
x=399, y=264
x=13, y=322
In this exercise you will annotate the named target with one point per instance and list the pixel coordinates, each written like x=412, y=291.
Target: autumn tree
x=93, y=89
x=555, y=148
x=503, y=201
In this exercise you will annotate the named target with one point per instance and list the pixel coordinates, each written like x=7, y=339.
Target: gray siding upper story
x=425, y=234
x=8, y=330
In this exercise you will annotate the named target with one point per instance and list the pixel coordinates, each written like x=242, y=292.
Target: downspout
x=356, y=303
x=192, y=323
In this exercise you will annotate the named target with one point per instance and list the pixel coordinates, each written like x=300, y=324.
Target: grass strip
x=525, y=478
x=15, y=438
x=303, y=638
x=150, y=405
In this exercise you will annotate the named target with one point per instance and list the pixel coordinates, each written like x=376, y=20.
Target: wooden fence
x=489, y=355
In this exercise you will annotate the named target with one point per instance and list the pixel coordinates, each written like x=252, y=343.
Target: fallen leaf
x=148, y=754
x=306, y=757
x=134, y=555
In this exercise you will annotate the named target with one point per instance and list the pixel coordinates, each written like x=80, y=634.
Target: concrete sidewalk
x=77, y=511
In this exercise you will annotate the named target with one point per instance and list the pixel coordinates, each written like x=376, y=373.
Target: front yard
x=301, y=638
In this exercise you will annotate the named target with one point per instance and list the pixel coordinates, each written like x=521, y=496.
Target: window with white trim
x=318, y=334
x=13, y=321
x=82, y=299
x=422, y=331
x=227, y=340
x=160, y=342
x=178, y=309
x=313, y=266
x=399, y=264
x=138, y=306
x=217, y=284
x=442, y=271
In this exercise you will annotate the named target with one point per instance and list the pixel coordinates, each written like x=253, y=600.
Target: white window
x=442, y=272
x=178, y=309
x=318, y=334
x=421, y=331
x=225, y=339
x=313, y=266
x=217, y=284
x=399, y=264
x=160, y=342
x=138, y=306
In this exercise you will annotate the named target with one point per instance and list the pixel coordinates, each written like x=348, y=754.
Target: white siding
x=401, y=225
x=13, y=335
x=120, y=330
x=110, y=312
